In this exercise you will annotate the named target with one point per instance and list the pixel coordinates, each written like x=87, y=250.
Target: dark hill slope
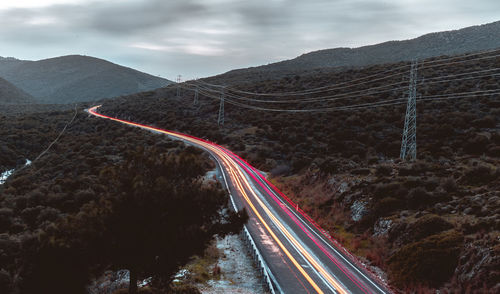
x=443, y=210
x=76, y=78
x=10, y=94
x=470, y=39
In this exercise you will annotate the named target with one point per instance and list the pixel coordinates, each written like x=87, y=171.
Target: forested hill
x=10, y=94
x=431, y=224
x=76, y=78
x=469, y=39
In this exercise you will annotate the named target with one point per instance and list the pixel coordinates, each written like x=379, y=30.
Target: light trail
x=240, y=174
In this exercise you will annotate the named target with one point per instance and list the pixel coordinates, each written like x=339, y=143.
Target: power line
x=370, y=91
x=351, y=84
x=389, y=102
x=212, y=90
x=432, y=80
x=195, y=101
x=220, y=120
x=51, y=144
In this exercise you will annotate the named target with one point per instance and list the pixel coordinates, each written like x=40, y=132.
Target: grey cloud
x=251, y=32
x=137, y=17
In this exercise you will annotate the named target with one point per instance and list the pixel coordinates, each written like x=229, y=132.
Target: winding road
x=296, y=255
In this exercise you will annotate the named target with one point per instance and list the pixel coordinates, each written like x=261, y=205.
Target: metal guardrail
x=264, y=269
x=260, y=261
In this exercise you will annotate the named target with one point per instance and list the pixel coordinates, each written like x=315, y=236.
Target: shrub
x=485, y=122
x=387, y=190
x=361, y=171
x=5, y=219
x=478, y=175
x=329, y=166
x=494, y=151
x=476, y=145
x=5, y=281
x=430, y=261
x=184, y=289
x=383, y=170
x=418, y=197
x=427, y=225
x=387, y=205
x=449, y=185
x=407, y=171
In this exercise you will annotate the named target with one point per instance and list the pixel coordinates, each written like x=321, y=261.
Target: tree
x=163, y=214
x=157, y=215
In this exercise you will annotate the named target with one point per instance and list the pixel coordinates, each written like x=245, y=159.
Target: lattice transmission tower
x=409, y=141
x=220, y=121
x=195, y=101
x=178, y=86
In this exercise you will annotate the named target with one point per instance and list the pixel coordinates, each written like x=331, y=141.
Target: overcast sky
x=197, y=38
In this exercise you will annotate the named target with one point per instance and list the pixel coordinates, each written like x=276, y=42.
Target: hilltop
x=76, y=78
x=469, y=39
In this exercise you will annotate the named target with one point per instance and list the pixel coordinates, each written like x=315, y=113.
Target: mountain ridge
x=469, y=39
x=10, y=94
x=76, y=78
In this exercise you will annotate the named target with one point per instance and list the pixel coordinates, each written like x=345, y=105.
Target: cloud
x=194, y=49
x=205, y=37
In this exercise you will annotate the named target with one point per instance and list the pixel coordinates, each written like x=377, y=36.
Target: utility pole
x=409, y=141
x=220, y=121
x=195, y=102
x=179, y=86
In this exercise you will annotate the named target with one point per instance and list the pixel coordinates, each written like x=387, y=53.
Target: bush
x=428, y=225
x=184, y=289
x=485, y=122
x=387, y=205
x=5, y=281
x=387, y=190
x=383, y=170
x=361, y=171
x=478, y=175
x=494, y=151
x=449, y=185
x=5, y=219
x=430, y=261
x=476, y=145
x=418, y=197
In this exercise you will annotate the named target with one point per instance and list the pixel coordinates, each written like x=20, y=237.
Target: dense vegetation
x=105, y=196
x=342, y=167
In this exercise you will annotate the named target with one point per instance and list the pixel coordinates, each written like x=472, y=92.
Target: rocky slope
x=76, y=78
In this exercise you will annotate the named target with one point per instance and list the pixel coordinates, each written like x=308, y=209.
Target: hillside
x=76, y=78
x=470, y=39
x=10, y=94
x=73, y=176
x=430, y=224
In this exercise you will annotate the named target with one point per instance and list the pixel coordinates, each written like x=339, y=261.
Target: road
x=296, y=255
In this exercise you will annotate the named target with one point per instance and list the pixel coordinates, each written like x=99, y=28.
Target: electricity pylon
x=409, y=141
x=195, y=101
x=220, y=121
x=178, y=86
